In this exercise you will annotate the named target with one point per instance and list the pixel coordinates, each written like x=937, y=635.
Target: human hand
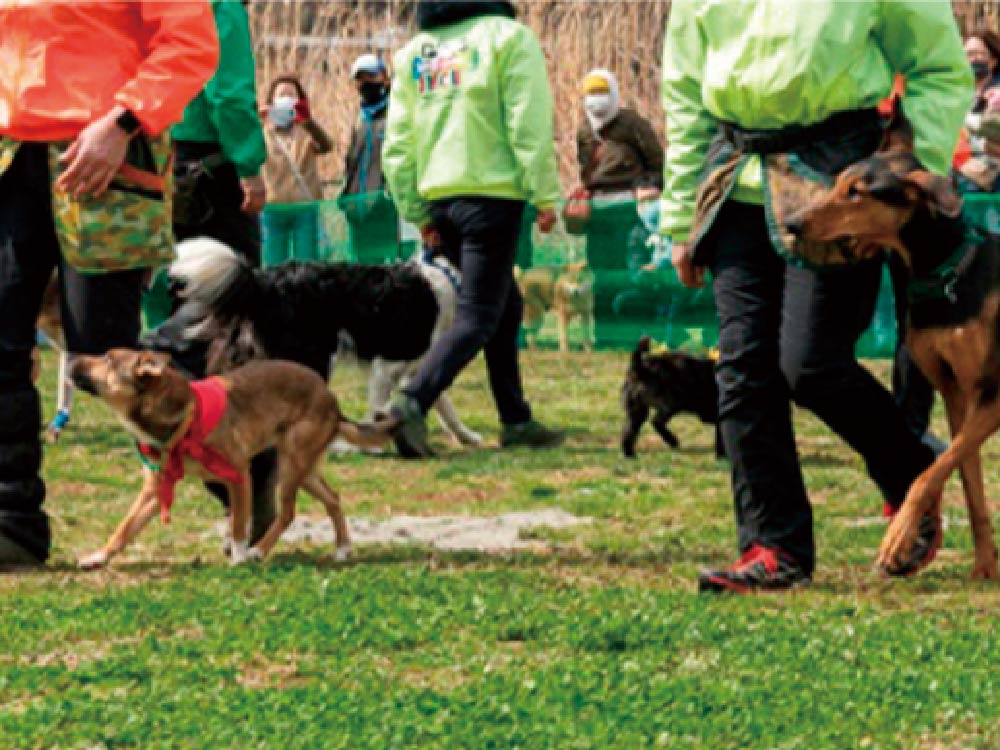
x=546, y=220
x=647, y=194
x=302, y=112
x=93, y=159
x=688, y=273
x=430, y=236
x=992, y=97
x=254, y=194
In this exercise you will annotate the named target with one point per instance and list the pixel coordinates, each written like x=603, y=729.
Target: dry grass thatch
x=319, y=41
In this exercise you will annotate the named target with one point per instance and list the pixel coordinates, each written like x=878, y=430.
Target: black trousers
x=99, y=312
x=788, y=333
x=480, y=237
x=226, y=222
x=911, y=388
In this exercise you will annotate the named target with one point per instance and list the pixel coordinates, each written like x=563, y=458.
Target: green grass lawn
x=600, y=641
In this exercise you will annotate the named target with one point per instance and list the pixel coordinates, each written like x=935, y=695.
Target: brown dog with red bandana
x=214, y=428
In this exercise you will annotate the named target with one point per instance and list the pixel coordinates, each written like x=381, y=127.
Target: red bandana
x=189, y=443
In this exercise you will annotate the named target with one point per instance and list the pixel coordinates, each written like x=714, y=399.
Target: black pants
x=98, y=312
x=789, y=333
x=480, y=237
x=912, y=390
x=226, y=221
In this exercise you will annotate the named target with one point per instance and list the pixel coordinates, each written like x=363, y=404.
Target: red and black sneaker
x=925, y=548
x=760, y=569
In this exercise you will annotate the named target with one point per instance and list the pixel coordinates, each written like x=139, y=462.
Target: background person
x=372, y=220
x=469, y=144
x=116, y=75
x=744, y=86
x=222, y=141
x=621, y=160
x=978, y=169
x=291, y=174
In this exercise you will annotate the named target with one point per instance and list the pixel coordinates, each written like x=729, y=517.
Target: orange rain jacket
x=65, y=63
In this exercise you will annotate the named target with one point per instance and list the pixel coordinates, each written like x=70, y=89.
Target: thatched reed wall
x=319, y=40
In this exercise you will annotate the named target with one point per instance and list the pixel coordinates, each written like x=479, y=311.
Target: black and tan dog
x=258, y=406
x=890, y=201
x=668, y=383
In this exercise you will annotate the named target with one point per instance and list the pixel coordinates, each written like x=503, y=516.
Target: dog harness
x=942, y=282
x=188, y=443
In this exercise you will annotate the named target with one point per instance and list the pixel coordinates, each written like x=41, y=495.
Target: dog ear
x=150, y=365
x=938, y=191
x=898, y=135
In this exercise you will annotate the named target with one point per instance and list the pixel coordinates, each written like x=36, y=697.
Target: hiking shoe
x=408, y=427
x=760, y=569
x=530, y=434
x=925, y=548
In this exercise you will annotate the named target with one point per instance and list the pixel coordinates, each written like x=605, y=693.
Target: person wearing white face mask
x=621, y=161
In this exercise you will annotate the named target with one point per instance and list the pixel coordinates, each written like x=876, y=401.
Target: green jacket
x=772, y=63
x=470, y=114
x=225, y=112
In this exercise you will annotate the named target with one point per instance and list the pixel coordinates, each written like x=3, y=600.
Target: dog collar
x=942, y=282
x=447, y=269
x=188, y=443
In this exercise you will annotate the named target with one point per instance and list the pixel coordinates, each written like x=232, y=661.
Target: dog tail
x=362, y=435
x=214, y=280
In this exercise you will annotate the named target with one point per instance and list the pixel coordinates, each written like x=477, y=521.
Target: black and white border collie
x=305, y=312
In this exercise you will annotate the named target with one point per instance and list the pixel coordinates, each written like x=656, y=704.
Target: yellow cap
x=595, y=84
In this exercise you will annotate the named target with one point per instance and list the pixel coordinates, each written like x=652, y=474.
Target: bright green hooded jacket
x=225, y=112
x=771, y=63
x=470, y=113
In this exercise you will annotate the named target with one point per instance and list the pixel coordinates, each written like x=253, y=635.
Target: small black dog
x=669, y=383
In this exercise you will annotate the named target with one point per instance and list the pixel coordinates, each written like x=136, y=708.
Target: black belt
x=793, y=137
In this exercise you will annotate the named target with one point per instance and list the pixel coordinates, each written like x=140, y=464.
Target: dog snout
x=79, y=374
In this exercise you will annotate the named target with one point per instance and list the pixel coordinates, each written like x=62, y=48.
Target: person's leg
x=480, y=238
x=772, y=509
x=825, y=314
x=228, y=223
x=100, y=311
x=28, y=253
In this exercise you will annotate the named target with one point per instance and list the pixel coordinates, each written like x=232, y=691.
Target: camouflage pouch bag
x=129, y=226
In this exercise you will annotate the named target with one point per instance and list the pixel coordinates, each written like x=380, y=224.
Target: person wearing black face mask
x=980, y=173
x=372, y=220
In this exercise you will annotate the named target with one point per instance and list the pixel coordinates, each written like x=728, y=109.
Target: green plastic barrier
x=630, y=300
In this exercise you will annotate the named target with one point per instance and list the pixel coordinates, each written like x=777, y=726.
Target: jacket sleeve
x=689, y=126
x=921, y=41
x=528, y=114
x=649, y=148
x=232, y=92
x=399, y=152
x=183, y=52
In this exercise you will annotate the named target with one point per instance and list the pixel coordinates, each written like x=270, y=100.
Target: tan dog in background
x=566, y=290
x=269, y=404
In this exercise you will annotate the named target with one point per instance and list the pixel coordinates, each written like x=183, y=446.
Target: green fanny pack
x=129, y=226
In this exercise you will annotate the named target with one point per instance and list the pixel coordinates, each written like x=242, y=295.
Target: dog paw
x=897, y=543
x=227, y=546
x=470, y=438
x=343, y=553
x=985, y=570
x=239, y=553
x=93, y=561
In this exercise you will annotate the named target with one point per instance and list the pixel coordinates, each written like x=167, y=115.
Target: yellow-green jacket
x=768, y=64
x=470, y=114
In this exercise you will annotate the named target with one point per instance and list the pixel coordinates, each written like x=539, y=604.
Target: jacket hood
x=432, y=14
